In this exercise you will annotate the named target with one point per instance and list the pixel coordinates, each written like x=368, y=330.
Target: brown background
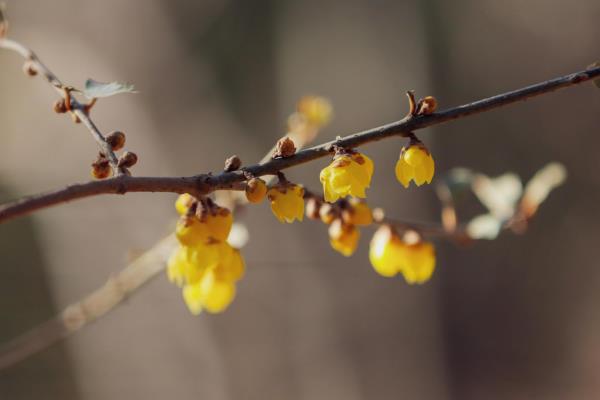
x=513, y=318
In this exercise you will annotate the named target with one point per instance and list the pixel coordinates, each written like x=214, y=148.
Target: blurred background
x=511, y=318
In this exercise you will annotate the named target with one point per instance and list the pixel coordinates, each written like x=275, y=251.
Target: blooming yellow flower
x=419, y=262
x=415, y=163
x=210, y=294
x=192, y=230
x=389, y=256
x=287, y=202
x=231, y=265
x=386, y=252
x=343, y=237
x=348, y=174
x=187, y=264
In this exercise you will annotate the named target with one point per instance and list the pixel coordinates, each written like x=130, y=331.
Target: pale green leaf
x=95, y=89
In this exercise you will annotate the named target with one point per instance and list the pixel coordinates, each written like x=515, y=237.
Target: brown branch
x=206, y=183
x=91, y=308
x=78, y=109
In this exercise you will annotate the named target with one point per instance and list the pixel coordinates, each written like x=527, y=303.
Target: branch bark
x=78, y=108
x=203, y=184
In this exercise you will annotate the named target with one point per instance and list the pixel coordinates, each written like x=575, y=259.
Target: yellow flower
x=419, y=262
x=415, y=163
x=192, y=230
x=316, y=110
x=287, y=202
x=386, y=252
x=183, y=203
x=210, y=294
x=343, y=237
x=348, y=174
x=231, y=266
x=359, y=213
x=389, y=256
x=188, y=264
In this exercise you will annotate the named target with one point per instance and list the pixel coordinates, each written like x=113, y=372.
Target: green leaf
x=95, y=89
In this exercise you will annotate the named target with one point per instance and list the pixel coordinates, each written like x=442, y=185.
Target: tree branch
x=206, y=183
x=76, y=107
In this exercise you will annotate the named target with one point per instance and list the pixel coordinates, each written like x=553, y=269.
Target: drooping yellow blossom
x=210, y=294
x=386, y=252
x=358, y=213
x=316, y=110
x=389, y=256
x=416, y=164
x=183, y=203
x=187, y=264
x=343, y=237
x=287, y=202
x=193, y=230
x=419, y=262
x=348, y=174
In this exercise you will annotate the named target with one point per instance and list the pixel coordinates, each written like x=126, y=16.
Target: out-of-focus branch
x=91, y=308
x=78, y=109
x=206, y=183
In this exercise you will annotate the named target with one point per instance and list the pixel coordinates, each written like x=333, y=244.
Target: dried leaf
x=540, y=186
x=484, y=226
x=95, y=89
x=499, y=194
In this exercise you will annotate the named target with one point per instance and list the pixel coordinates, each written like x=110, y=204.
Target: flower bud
x=256, y=190
x=116, y=140
x=127, y=159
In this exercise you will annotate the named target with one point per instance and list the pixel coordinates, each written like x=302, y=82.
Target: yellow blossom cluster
x=207, y=267
x=204, y=265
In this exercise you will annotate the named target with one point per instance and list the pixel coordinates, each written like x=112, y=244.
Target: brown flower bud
x=233, y=163
x=312, y=208
x=427, y=106
x=29, y=68
x=327, y=213
x=116, y=140
x=285, y=148
x=59, y=106
x=101, y=167
x=127, y=160
x=75, y=118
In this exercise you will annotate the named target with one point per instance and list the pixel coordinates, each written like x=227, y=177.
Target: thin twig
x=206, y=183
x=77, y=108
x=91, y=308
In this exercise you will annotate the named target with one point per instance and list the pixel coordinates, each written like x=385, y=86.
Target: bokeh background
x=513, y=318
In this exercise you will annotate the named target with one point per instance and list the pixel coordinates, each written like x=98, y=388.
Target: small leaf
x=499, y=194
x=484, y=226
x=540, y=186
x=94, y=89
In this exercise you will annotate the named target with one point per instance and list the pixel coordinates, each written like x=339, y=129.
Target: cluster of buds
x=343, y=218
x=204, y=265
